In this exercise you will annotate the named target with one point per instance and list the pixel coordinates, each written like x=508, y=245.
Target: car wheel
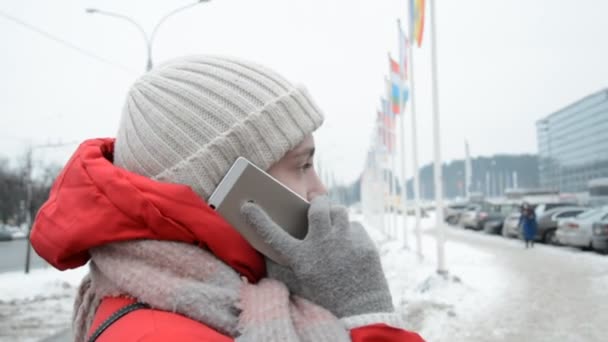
x=550, y=238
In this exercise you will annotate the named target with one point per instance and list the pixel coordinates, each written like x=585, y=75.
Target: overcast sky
x=503, y=64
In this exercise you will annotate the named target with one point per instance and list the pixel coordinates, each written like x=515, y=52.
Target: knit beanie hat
x=188, y=120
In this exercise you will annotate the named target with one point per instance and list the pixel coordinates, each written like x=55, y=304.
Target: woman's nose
x=318, y=189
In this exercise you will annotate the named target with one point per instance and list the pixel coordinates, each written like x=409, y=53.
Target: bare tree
x=14, y=187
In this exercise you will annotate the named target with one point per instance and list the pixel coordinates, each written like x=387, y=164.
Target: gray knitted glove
x=285, y=275
x=337, y=264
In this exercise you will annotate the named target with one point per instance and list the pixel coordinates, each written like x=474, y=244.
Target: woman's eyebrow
x=308, y=152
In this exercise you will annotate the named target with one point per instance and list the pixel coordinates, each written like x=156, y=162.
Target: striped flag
x=395, y=86
x=403, y=64
x=403, y=45
x=390, y=138
x=383, y=127
x=397, y=92
x=380, y=128
x=417, y=20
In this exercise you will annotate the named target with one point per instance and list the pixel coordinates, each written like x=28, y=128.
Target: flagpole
x=389, y=146
x=381, y=176
x=387, y=193
x=385, y=219
x=393, y=179
x=379, y=191
x=467, y=170
x=404, y=182
x=382, y=181
x=392, y=143
x=403, y=99
x=416, y=175
x=375, y=200
x=441, y=268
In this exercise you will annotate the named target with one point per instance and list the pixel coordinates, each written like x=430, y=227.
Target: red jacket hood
x=93, y=202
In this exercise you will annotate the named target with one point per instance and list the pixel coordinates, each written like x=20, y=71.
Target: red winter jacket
x=92, y=203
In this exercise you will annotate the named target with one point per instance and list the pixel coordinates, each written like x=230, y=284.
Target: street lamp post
x=149, y=39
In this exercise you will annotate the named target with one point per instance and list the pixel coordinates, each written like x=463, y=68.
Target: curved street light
x=148, y=39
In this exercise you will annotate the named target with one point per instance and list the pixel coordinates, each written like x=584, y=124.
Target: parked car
x=578, y=231
x=477, y=215
x=547, y=222
x=496, y=217
x=16, y=232
x=510, y=226
x=5, y=235
x=471, y=216
x=453, y=212
x=541, y=208
x=411, y=211
x=599, y=240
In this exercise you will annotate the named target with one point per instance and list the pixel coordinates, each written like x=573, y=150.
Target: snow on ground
x=431, y=302
x=36, y=305
x=495, y=290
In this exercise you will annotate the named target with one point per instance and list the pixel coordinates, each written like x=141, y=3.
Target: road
x=12, y=256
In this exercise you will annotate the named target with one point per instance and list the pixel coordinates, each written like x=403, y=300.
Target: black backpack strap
x=115, y=317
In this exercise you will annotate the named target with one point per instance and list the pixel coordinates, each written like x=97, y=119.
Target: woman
x=527, y=221
x=164, y=266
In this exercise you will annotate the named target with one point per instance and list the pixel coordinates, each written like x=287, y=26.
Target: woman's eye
x=306, y=166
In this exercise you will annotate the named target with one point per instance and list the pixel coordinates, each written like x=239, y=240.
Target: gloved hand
x=285, y=275
x=336, y=264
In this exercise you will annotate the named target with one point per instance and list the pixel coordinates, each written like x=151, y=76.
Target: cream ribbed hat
x=188, y=120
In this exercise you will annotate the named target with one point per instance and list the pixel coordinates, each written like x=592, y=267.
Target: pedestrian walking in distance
x=164, y=266
x=527, y=221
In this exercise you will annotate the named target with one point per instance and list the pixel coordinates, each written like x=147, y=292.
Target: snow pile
x=432, y=303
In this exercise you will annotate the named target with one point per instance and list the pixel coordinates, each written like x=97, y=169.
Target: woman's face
x=296, y=170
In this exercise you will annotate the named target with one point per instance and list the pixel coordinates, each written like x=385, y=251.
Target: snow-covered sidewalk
x=433, y=304
x=497, y=290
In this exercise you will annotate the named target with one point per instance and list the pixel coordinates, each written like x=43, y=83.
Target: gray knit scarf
x=190, y=281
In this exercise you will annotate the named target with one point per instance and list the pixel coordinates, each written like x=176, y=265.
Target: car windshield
x=457, y=207
x=508, y=209
x=515, y=215
x=567, y=213
x=589, y=213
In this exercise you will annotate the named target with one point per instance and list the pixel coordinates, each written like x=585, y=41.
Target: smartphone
x=245, y=182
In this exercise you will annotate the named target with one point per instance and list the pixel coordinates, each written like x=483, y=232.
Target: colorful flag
x=390, y=138
x=380, y=128
x=417, y=20
x=384, y=141
x=396, y=87
x=403, y=45
x=403, y=55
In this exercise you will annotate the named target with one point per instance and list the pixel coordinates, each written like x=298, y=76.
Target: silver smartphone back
x=246, y=182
